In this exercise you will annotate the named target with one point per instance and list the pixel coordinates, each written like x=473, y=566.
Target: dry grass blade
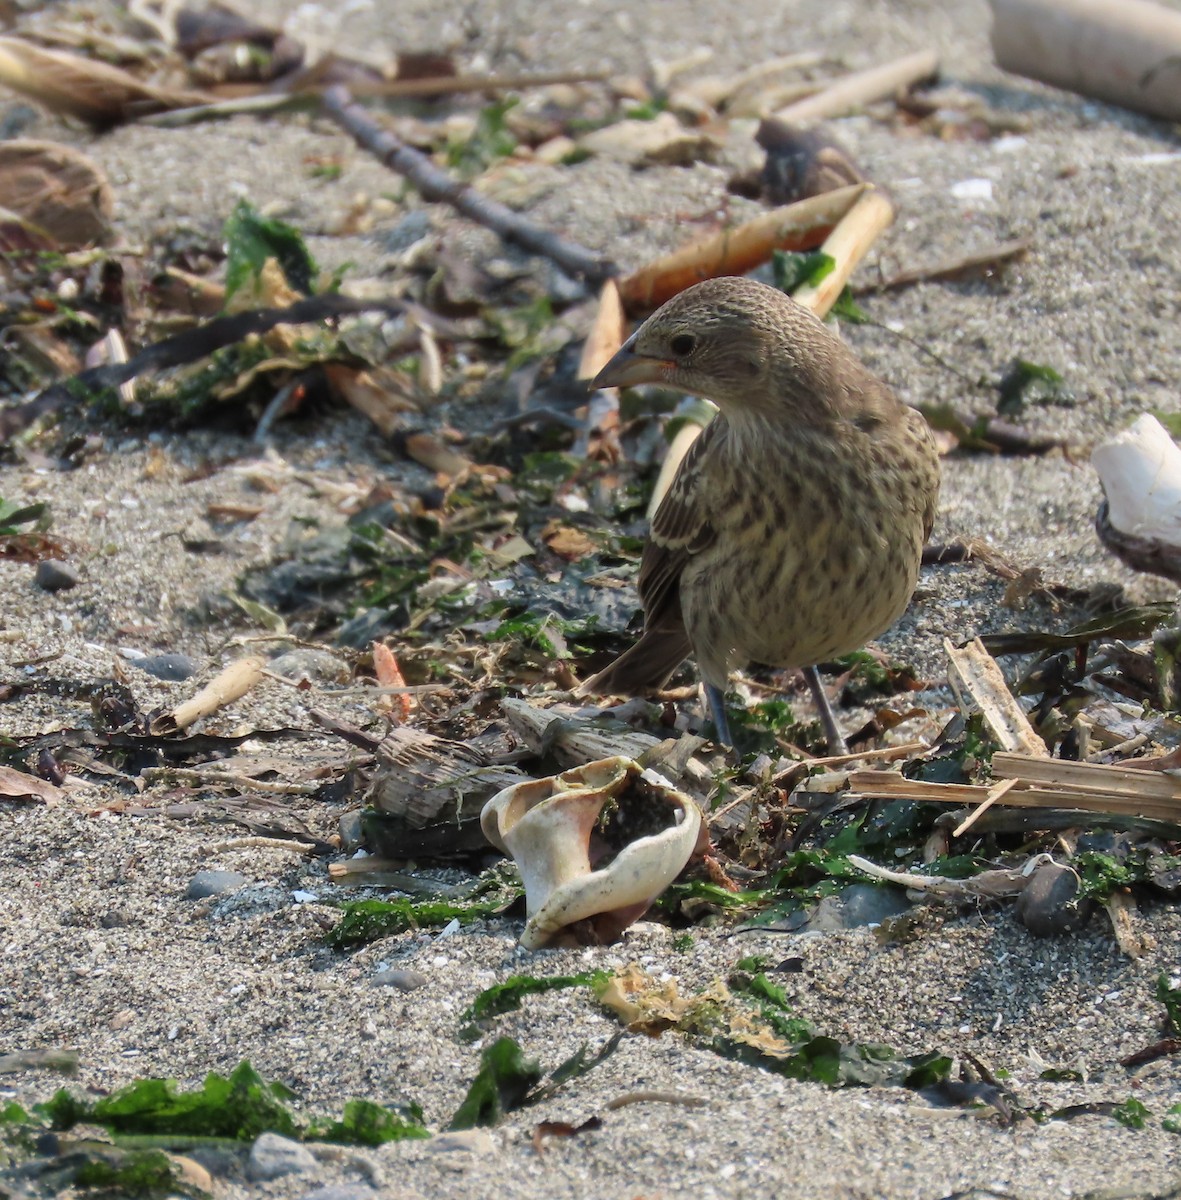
x=994, y=794
x=800, y=226
x=80, y=87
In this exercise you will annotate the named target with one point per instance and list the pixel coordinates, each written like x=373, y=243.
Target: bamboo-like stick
x=799, y=226
x=887, y=785
x=231, y=684
x=861, y=88
x=847, y=245
x=607, y=333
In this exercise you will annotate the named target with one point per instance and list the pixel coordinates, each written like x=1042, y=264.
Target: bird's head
x=735, y=341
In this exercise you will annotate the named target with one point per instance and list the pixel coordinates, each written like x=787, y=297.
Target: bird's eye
x=682, y=344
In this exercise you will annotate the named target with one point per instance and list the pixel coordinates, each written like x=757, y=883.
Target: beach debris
x=595, y=845
x=75, y=85
x=231, y=684
x=56, y=197
x=426, y=794
x=860, y=88
x=980, y=686
x=801, y=162
x=800, y=226
x=1121, y=51
x=1139, y=518
x=507, y=1080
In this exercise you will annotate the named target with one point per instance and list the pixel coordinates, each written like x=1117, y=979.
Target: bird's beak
x=627, y=368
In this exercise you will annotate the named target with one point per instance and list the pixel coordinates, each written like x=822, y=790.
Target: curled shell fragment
x=595, y=846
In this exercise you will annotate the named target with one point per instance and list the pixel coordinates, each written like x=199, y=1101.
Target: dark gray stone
x=1049, y=905
x=173, y=667
x=213, y=883
x=53, y=575
x=857, y=905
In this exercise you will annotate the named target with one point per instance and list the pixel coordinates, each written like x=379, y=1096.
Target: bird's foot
x=717, y=709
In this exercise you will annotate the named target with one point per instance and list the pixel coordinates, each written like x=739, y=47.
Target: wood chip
x=979, y=686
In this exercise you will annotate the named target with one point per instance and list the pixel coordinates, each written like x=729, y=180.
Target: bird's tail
x=645, y=667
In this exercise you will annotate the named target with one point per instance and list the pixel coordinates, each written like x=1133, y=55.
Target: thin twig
x=652, y=1097
x=437, y=185
x=443, y=85
x=262, y=843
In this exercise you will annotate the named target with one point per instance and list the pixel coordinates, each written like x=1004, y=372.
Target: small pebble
x=1049, y=904
x=272, y=1157
x=319, y=666
x=213, y=883
x=403, y=979
x=341, y=1191
x=54, y=575
x=475, y=1141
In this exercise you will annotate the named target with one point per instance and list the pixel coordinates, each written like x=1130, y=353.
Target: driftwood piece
x=1111, y=789
x=435, y=184
x=987, y=885
x=430, y=792
x=1123, y=51
x=574, y=740
x=974, y=263
x=800, y=226
x=862, y=87
x=978, y=684
x=229, y=685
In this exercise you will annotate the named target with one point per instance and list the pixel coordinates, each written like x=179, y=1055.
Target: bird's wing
x=680, y=528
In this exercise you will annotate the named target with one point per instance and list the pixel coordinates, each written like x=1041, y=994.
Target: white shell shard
x=554, y=827
x=1140, y=470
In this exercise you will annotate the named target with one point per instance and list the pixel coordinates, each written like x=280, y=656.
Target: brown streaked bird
x=794, y=528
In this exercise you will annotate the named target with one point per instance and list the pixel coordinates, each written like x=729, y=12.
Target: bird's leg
x=836, y=743
x=717, y=710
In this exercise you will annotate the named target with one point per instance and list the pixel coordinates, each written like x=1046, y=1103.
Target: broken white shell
x=1140, y=469
x=553, y=828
